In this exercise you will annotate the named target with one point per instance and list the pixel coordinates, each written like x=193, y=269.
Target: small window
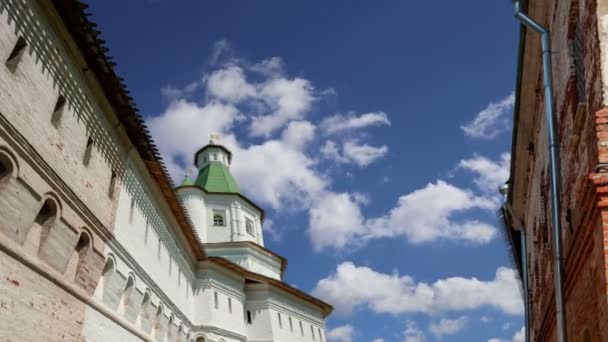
x=15, y=57
x=312, y=332
x=205, y=159
x=229, y=305
x=248, y=317
x=112, y=189
x=131, y=210
x=88, y=151
x=216, y=303
x=320, y=335
x=249, y=227
x=215, y=156
x=290, y=325
x=58, y=111
x=301, y=329
x=218, y=219
x=280, y=321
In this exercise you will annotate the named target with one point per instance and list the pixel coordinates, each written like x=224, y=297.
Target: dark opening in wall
x=88, y=151
x=47, y=214
x=15, y=57
x=248, y=317
x=112, y=188
x=58, y=111
x=6, y=168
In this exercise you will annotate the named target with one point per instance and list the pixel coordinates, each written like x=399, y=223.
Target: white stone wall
x=150, y=288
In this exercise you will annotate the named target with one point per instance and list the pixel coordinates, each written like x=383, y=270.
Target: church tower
x=227, y=222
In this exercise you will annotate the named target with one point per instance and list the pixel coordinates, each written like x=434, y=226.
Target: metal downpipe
x=554, y=169
x=524, y=268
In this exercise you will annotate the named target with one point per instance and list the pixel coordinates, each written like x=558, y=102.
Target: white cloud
x=448, y=326
x=343, y=333
x=229, y=84
x=363, y=155
x=489, y=174
x=492, y=120
x=378, y=340
x=412, y=333
x=185, y=126
x=520, y=336
x=338, y=122
x=335, y=220
x=287, y=100
x=272, y=67
x=395, y=294
x=298, y=133
x=353, y=152
x=422, y=216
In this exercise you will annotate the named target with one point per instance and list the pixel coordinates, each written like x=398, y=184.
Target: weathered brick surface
x=583, y=142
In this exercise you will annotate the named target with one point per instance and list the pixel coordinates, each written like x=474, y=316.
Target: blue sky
x=373, y=135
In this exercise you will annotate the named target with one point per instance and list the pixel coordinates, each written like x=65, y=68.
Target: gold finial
x=214, y=136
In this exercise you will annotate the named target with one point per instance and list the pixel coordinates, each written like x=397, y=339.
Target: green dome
x=216, y=177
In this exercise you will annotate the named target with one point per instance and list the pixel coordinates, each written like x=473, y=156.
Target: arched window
x=6, y=168
x=44, y=221
x=200, y=339
x=78, y=256
x=125, y=301
x=157, y=321
x=218, y=219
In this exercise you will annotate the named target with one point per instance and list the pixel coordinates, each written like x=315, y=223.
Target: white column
x=233, y=223
x=240, y=223
x=258, y=226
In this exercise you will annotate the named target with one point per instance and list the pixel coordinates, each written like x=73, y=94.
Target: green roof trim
x=216, y=177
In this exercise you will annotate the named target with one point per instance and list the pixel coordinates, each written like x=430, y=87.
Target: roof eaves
x=92, y=47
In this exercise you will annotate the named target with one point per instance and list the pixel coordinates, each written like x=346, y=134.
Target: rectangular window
x=248, y=317
x=290, y=325
x=312, y=332
x=229, y=304
x=320, y=335
x=216, y=303
x=15, y=57
x=280, y=322
x=218, y=218
x=249, y=227
x=301, y=329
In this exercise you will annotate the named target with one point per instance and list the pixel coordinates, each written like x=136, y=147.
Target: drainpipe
x=524, y=267
x=553, y=166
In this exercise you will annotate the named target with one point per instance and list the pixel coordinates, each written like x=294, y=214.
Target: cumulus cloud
x=353, y=152
x=489, y=174
x=280, y=172
x=448, y=326
x=339, y=123
x=412, y=333
x=287, y=99
x=520, y=336
x=492, y=120
x=424, y=215
x=343, y=333
x=396, y=294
